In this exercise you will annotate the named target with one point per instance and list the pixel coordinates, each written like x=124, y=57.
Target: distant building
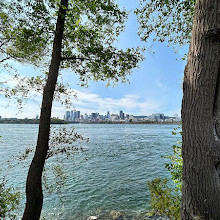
x=77, y=114
x=102, y=117
x=114, y=117
x=157, y=116
x=72, y=114
x=140, y=118
x=121, y=115
x=81, y=117
x=131, y=117
x=0, y=117
x=37, y=117
x=108, y=115
x=86, y=116
x=67, y=115
x=94, y=115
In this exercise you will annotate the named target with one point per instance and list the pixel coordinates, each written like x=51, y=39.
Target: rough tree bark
x=201, y=116
x=34, y=194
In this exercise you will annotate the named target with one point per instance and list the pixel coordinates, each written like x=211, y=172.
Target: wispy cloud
x=130, y=103
x=87, y=103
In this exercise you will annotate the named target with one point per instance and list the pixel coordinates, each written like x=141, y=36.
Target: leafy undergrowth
x=166, y=197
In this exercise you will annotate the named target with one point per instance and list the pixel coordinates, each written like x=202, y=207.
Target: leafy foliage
x=165, y=198
x=9, y=201
x=176, y=162
x=30, y=87
x=64, y=143
x=91, y=27
x=24, y=26
x=63, y=140
x=170, y=21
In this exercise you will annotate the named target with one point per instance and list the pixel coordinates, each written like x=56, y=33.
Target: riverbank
x=133, y=122
x=30, y=121
x=114, y=215
x=60, y=121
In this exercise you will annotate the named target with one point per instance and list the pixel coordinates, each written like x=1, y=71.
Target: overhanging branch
x=74, y=58
x=7, y=58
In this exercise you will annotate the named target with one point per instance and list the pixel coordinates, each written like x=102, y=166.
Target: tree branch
x=74, y=58
x=9, y=55
x=7, y=58
x=4, y=41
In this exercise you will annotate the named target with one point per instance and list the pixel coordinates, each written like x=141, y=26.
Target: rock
x=115, y=215
x=93, y=218
x=157, y=217
x=120, y=217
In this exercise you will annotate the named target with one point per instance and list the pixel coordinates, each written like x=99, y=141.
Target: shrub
x=9, y=201
x=165, y=200
x=166, y=197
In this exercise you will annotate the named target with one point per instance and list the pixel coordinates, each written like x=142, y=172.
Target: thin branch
x=74, y=58
x=8, y=54
x=7, y=58
x=4, y=41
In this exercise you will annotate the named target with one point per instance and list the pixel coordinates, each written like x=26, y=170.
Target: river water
x=109, y=175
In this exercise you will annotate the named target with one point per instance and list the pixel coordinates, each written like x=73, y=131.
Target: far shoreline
x=59, y=121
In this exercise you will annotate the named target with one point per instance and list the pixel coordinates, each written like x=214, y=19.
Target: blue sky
x=155, y=87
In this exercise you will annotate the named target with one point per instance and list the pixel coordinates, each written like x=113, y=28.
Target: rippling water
x=110, y=174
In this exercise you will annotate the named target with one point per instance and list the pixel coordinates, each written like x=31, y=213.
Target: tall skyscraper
x=108, y=115
x=121, y=115
x=67, y=115
x=86, y=116
x=78, y=114
x=72, y=115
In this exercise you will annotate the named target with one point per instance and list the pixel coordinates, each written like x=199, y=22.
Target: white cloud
x=130, y=103
x=87, y=103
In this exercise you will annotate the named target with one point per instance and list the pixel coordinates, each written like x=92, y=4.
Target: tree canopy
x=166, y=20
x=91, y=28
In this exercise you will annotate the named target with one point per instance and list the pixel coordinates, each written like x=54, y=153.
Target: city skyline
x=76, y=116
x=76, y=110
x=79, y=113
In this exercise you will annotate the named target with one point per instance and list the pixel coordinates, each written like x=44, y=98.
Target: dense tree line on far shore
x=31, y=121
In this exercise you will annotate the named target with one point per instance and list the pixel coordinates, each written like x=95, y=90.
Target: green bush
x=9, y=201
x=165, y=200
x=166, y=197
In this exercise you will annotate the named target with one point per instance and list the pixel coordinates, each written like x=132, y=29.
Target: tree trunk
x=201, y=116
x=34, y=194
